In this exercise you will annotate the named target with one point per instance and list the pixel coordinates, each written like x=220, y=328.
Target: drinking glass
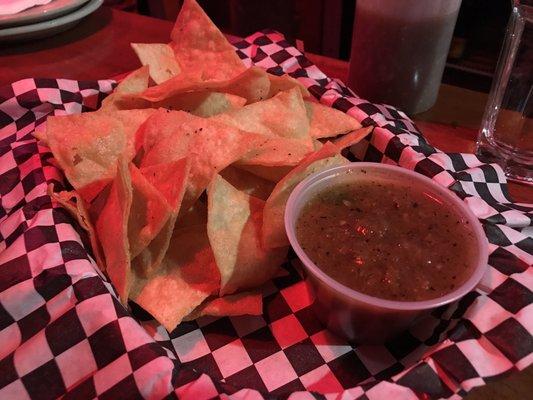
x=399, y=50
x=506, y=134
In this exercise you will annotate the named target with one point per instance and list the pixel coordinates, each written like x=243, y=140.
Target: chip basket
x=63, y=331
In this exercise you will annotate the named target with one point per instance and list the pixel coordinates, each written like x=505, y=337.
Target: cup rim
x=480, y=264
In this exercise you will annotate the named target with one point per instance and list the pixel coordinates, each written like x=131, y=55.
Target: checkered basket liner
x=64, y=333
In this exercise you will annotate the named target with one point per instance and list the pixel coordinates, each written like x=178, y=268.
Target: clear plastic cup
x=355, y=315
x=399, y=50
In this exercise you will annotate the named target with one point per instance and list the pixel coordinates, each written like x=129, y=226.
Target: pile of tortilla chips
x=193, y=120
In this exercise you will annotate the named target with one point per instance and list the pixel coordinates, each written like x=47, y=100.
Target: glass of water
x=506, y=134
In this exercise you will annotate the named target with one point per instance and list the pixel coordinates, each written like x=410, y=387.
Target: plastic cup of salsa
x=358, y=316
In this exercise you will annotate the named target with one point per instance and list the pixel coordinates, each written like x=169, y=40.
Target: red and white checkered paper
x=64, y=333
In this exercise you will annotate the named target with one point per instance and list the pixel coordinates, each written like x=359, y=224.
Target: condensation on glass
x=506, y=134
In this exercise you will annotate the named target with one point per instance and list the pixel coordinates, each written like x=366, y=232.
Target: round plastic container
x=355, y=315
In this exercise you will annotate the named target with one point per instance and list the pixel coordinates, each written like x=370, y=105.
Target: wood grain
x=97, y=48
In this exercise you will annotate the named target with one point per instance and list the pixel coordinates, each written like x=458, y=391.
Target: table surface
x=99, y=48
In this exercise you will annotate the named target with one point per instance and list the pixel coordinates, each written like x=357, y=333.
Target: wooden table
x=98, y=48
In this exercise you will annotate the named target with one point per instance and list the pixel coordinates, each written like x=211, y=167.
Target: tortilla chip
x=252, y=84
x=273, y=216
x=135, y=82
x=269, y=173
x=87, y=146
x=203, y=104
x=244, y=303
x=168, y=135
x=207, y=59
x=150, y=211
x=210, y=146
x=123, y=97
x=131, y=121
x=283, y=119
x=92, y=190
x=72, y=141
x=327, y=156
x=328, y=122
x=188, y=275
x=285, y=82
x=283, y=115
x=234, y=230
x=112, y=231
x=159, y=58
x=97, y=204
x=170, y=180
x=277, y=152
x=159, y=126
x=247, y=182
x=352, y=138
x=149, y=259
x=202, y=50
x=75, y=205
x=124, y=101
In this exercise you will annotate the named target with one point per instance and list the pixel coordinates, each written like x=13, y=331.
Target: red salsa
x=387, y=240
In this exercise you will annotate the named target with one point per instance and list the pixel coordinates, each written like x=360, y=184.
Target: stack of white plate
x=46, y=20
